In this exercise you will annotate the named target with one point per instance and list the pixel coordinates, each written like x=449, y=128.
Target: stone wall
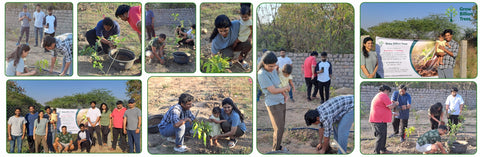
x=163, y=17
x=342, y=69
x=422, y=98
x=64, y=23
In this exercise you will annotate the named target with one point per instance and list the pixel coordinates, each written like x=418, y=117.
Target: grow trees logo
x=466, y=14
x=451, y=13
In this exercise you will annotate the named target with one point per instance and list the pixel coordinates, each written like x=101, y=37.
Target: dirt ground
x=422, y=125
x=155, y=67
x=296, y=141
x=208, y=14
x=88, y=16
x=163, y=92
x=37, y=54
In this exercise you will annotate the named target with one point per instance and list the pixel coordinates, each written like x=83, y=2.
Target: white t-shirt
x=325, y=76
x=244, y=30
x=38, y=19
x=50, y=20
x=454, y=104
x=93, y=114
x=282, y=61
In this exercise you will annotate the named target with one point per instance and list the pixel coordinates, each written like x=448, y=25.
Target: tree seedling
x=216, y=64
x=201, y=130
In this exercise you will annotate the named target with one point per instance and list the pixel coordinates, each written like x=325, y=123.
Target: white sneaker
x=170, y=139
x=180, y=149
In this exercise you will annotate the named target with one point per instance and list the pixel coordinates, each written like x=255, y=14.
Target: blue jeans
x=290, y=92
x=341, y=130
x=50, y=141
x=38, y=30
x=179, y=132
x=18, y=140
x=69, y=71
x=259, y=94
x=133, y=138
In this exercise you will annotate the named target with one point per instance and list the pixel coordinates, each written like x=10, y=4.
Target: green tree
x=16, y=98
x=306, y=27
x=426, y=28
x=134, y=90
x=82, y=100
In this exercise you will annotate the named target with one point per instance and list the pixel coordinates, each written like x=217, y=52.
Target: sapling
x=216, y=64
x=201, y=130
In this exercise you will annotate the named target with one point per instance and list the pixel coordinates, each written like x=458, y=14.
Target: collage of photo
x=249, y=78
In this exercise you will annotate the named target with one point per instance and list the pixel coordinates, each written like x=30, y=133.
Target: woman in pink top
x=380, y=115
x=133, y=15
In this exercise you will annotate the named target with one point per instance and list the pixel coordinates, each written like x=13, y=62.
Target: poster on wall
x=406, y=58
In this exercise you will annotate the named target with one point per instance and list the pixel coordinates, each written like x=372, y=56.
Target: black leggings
x=105, y=131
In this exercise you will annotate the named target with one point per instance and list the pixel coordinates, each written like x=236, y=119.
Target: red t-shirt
x=379, y=112
x=134, y=17
x=117, y=117
x=307, y=66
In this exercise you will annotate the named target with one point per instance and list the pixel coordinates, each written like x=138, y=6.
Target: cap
x=131, y=101
x=25, y=6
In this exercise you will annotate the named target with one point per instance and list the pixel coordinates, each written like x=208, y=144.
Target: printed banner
x=71, y=118
x=406, y=58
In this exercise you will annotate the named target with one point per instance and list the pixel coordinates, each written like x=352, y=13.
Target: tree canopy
x=16, y=98
x=427, y=28
x=307, y=27
x=82, y=100
x=134, y=90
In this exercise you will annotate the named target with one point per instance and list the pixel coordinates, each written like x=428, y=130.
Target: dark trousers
x=85, y=145
x=290, y=92
x=453, y=119
x=105, y=131
x=434, y=123
x=26, y=31
x=150, y=31
x=31, y=144
x=243, y=47
x=50, y=142
x=91, y=129
x=402, y=123
x=311, y=83
x=91, y=36
x=227, y=127
x=324, y=88
x=380, y=137
x=49, y=34
x=123, y=143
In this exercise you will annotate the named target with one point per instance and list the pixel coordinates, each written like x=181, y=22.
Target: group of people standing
x=383, y=108
x=40, y=129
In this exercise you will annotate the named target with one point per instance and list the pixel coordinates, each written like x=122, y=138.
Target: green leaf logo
x=451, y=13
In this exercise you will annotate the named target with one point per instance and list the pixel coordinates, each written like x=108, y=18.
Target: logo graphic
x=451, y=13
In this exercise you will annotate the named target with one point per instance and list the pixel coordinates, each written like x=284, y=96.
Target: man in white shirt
x=324, y=73
x=282, y=61
x=454, y=105
x=38, y=25
x=93, y=117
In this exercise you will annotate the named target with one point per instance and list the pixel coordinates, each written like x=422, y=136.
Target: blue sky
x=372, y=14
x=45, y=90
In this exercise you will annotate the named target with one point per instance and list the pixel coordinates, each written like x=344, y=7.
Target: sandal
x=232, y=143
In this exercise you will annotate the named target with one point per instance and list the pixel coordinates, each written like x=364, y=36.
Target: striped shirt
x=332, y=111
x=174, y=115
